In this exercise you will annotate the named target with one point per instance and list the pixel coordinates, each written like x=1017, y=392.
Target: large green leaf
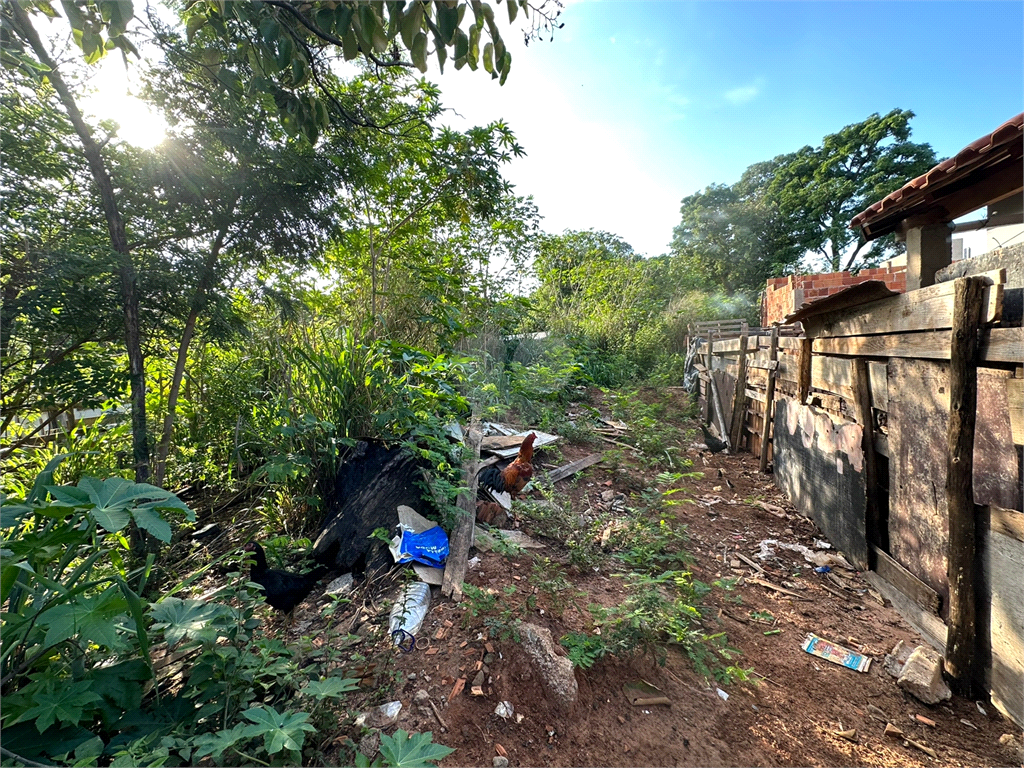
x=287, y=731
x=149, y=520
x=64, y=705
x=331, y=688
x=185, y=618
x=417, y=750
x=90, y=618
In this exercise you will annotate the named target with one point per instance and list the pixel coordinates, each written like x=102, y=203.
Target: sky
x=636, y=104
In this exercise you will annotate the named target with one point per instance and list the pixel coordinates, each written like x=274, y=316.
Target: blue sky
x=635, y=105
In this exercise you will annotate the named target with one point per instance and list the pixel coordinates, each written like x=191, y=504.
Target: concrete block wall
x=784, y=295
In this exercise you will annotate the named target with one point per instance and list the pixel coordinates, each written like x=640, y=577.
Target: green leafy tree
x=820, y=189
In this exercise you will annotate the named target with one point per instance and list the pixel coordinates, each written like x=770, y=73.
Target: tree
x=820, y=189
x=275, y=50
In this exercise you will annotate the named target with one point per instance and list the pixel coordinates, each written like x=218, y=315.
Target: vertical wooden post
x=740, y=398
x=804, y=374
x=769, y=398
x=963, y=402
x=862, y=397
x=465, y=529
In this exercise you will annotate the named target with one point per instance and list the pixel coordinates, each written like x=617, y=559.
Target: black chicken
x=282, y=589
x=713, y=443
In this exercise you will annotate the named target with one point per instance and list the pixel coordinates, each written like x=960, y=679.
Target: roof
x=983, y=172
x=855, y=295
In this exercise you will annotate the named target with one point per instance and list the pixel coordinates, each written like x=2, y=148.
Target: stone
x=896, y=658
x=922, y=677
x=556, y=671
x=607, y=496
x=500, y=762
x=489, y=658
x=421, y=697
x=341, y=585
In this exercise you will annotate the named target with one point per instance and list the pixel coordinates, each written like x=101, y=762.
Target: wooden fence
x=896, y=423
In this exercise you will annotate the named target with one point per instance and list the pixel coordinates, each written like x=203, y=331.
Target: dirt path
x=790, y=717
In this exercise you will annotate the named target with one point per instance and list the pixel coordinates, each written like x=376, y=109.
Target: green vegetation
x=307, y=261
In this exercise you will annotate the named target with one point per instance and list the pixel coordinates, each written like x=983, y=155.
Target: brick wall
x=784, y=295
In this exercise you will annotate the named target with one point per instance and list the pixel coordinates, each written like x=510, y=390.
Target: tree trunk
x=118, y=241
x=198, y=300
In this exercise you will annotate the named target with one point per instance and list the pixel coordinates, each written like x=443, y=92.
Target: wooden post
x=862, y=398
x=769, y=398
x=804, y=374
x=963, y=401
x=465, y=528
x=740, y=398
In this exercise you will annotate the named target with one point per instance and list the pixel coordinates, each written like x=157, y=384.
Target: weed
x=584, y=650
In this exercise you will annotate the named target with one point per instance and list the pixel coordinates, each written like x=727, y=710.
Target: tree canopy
x=799, y=204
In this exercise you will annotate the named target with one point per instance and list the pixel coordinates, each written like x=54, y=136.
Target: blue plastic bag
x=429, y=547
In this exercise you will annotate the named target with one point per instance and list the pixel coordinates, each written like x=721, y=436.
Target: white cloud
x=742, y=95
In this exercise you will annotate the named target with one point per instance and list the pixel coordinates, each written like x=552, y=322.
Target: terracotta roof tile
x=1011, y=130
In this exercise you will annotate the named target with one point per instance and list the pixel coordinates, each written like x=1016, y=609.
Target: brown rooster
x=516, y=475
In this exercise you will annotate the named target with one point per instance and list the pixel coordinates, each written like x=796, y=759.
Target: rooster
x=283, y=590
x=713, y=443
x=516, y=475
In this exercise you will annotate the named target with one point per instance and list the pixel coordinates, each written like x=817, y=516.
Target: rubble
x=556, y=671
x=896, y=659
x=922, y=677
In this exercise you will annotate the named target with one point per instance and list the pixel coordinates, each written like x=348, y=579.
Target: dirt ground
x=787, y=715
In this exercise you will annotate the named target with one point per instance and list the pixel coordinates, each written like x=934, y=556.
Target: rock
x=922, y=677
x=489, y=658
x=478, y=680
x=555, y=671
x=411, y=676
x=421, y=697
x=500, y=762
x=607, y=496
x=896, y=658
x=369, y=744
x=341, y=585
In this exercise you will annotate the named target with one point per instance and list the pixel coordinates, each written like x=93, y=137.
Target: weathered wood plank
x=832, y=374
x=862, y=407
x=1015, y=404
x=1001, y=615
x=997, y=465
x=917, y=422
x=803, y=380
x=1000, y=345
x=928, y=624
x=769, y=401
x=963, y=393
x=878, y=374
x=1008, y=522
x=906, y=582
x=736, y=428
x=572, y=468
x=926, y=309
x=882, y=444
x=462, y=536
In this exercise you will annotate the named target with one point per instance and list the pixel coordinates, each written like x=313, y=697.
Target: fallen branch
x=784, y=591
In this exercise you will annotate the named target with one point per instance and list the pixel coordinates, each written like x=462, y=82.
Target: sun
x=111, y=99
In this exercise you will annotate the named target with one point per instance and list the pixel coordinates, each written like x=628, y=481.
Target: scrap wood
x=926, y=749
x=616, y=442
x=437, y=714
x=571, y=468
x=926, y=720
x=769, y=585
x=750, y=562
x=462, y=536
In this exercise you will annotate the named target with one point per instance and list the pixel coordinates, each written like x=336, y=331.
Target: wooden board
x=930, y=626
x=918, y=418
x=906, y=582
x=878, y=375
x=997, y=465
x=926, y=309
x=1000, y=345
x=1001, y=619
x=1008, y=522
x=832, y=374
x=571, y=468
x=1015, y=404
x=821, y=470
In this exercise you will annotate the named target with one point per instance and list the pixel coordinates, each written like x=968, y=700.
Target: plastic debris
x=504, y=710
x=823, y=569
x=722, y=694
x=407, y=614
x=837, y=654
